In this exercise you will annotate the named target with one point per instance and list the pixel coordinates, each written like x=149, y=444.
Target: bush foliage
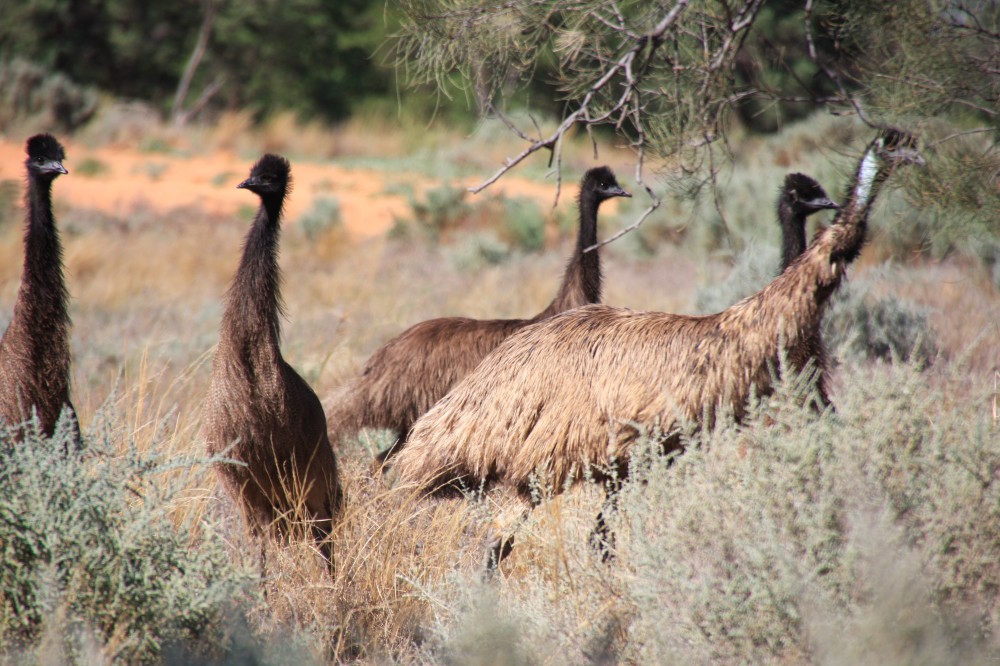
x=93, y=551
x=868, y=534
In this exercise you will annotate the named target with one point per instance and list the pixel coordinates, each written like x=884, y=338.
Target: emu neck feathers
x=581, y=282
x=252, y=321
x=41, y=306
x=864, y=190
x=793, y=233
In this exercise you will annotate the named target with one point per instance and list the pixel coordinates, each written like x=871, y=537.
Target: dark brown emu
x=800, y=197
x=259, y=411
x=565, y=395
x=35, y=349
x=411, y=372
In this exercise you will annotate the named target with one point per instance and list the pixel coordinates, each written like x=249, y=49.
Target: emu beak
x=247, y=184
x=53, y=166
x=908, y=155
x=822, y=203
x=617, y=191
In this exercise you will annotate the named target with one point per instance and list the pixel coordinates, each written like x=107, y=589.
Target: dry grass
x=146, y=307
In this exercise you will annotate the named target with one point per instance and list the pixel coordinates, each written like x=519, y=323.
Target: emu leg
x=383, y=456
x=321, y=533
x=497, y=552
x=502, y=547
x=602, y=539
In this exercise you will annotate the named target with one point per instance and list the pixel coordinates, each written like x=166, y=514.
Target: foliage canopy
x=673, y=76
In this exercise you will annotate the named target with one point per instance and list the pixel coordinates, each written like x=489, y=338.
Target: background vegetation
x=868, y=533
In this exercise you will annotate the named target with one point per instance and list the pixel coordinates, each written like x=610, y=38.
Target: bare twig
x=582, y=113
x=830, y=72
x=955, y=135
x=201, y=45
x=653, y=205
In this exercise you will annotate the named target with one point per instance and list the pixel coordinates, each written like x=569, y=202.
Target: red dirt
x=133, y=179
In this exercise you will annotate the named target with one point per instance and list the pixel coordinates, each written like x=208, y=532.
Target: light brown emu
x=411, y=372
x=259, y=411
x=800, y=197
x=35, y=349
x=566, y=394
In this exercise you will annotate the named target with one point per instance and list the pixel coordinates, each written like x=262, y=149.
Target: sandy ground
x=160, y=182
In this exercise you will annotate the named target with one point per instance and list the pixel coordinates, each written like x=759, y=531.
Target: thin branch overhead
x=666, y=76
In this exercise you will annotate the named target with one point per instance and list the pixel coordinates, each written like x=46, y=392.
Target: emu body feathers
x=410, y=373
x=259, y=411
x=564, y=393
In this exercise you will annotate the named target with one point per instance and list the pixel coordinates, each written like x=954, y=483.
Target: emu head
x=601, y=182
x=45, y=156
x=805, y=195
x=269, y=177
x=896, y=147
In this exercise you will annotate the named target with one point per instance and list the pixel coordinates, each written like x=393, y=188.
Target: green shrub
x=862, y=325
x=92, y=549
x=525, y=223
x=755, y=267
x=478, y=250
x=90, y=167
x=10, y=201
x=441, y=209
x=322, y=216
x=223, y=178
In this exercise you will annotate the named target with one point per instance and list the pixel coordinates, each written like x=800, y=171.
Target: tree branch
x=201, y=45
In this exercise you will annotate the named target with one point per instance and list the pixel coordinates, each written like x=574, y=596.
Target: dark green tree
x=310, y=56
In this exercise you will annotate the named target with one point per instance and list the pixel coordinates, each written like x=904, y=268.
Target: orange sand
x=160, y=182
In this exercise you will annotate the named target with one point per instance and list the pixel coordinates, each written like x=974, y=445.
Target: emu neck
x=581, y=282
x=41, y=308
x=853, y=216
x=793, y=232
x=790, y=308
x=251, y=324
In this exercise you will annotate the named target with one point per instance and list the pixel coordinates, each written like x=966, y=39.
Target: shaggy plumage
x=35, y=350
x=259, y=411
x=565, y=394
x=411, y=372
x=800, y=197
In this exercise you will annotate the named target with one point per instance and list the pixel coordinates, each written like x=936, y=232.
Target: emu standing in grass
x=411, y=372
x=564, y=396
x=800, y=197
x=259, y=411
x=35, y=351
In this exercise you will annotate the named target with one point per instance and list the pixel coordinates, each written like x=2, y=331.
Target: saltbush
x=94, y=551
x=868, y=534
x=323, y=216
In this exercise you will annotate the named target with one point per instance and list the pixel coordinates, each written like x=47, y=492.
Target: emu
x=259, y=411
x=800, y=197
x=564, y=395
x=411, y=372
x=35, y=350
